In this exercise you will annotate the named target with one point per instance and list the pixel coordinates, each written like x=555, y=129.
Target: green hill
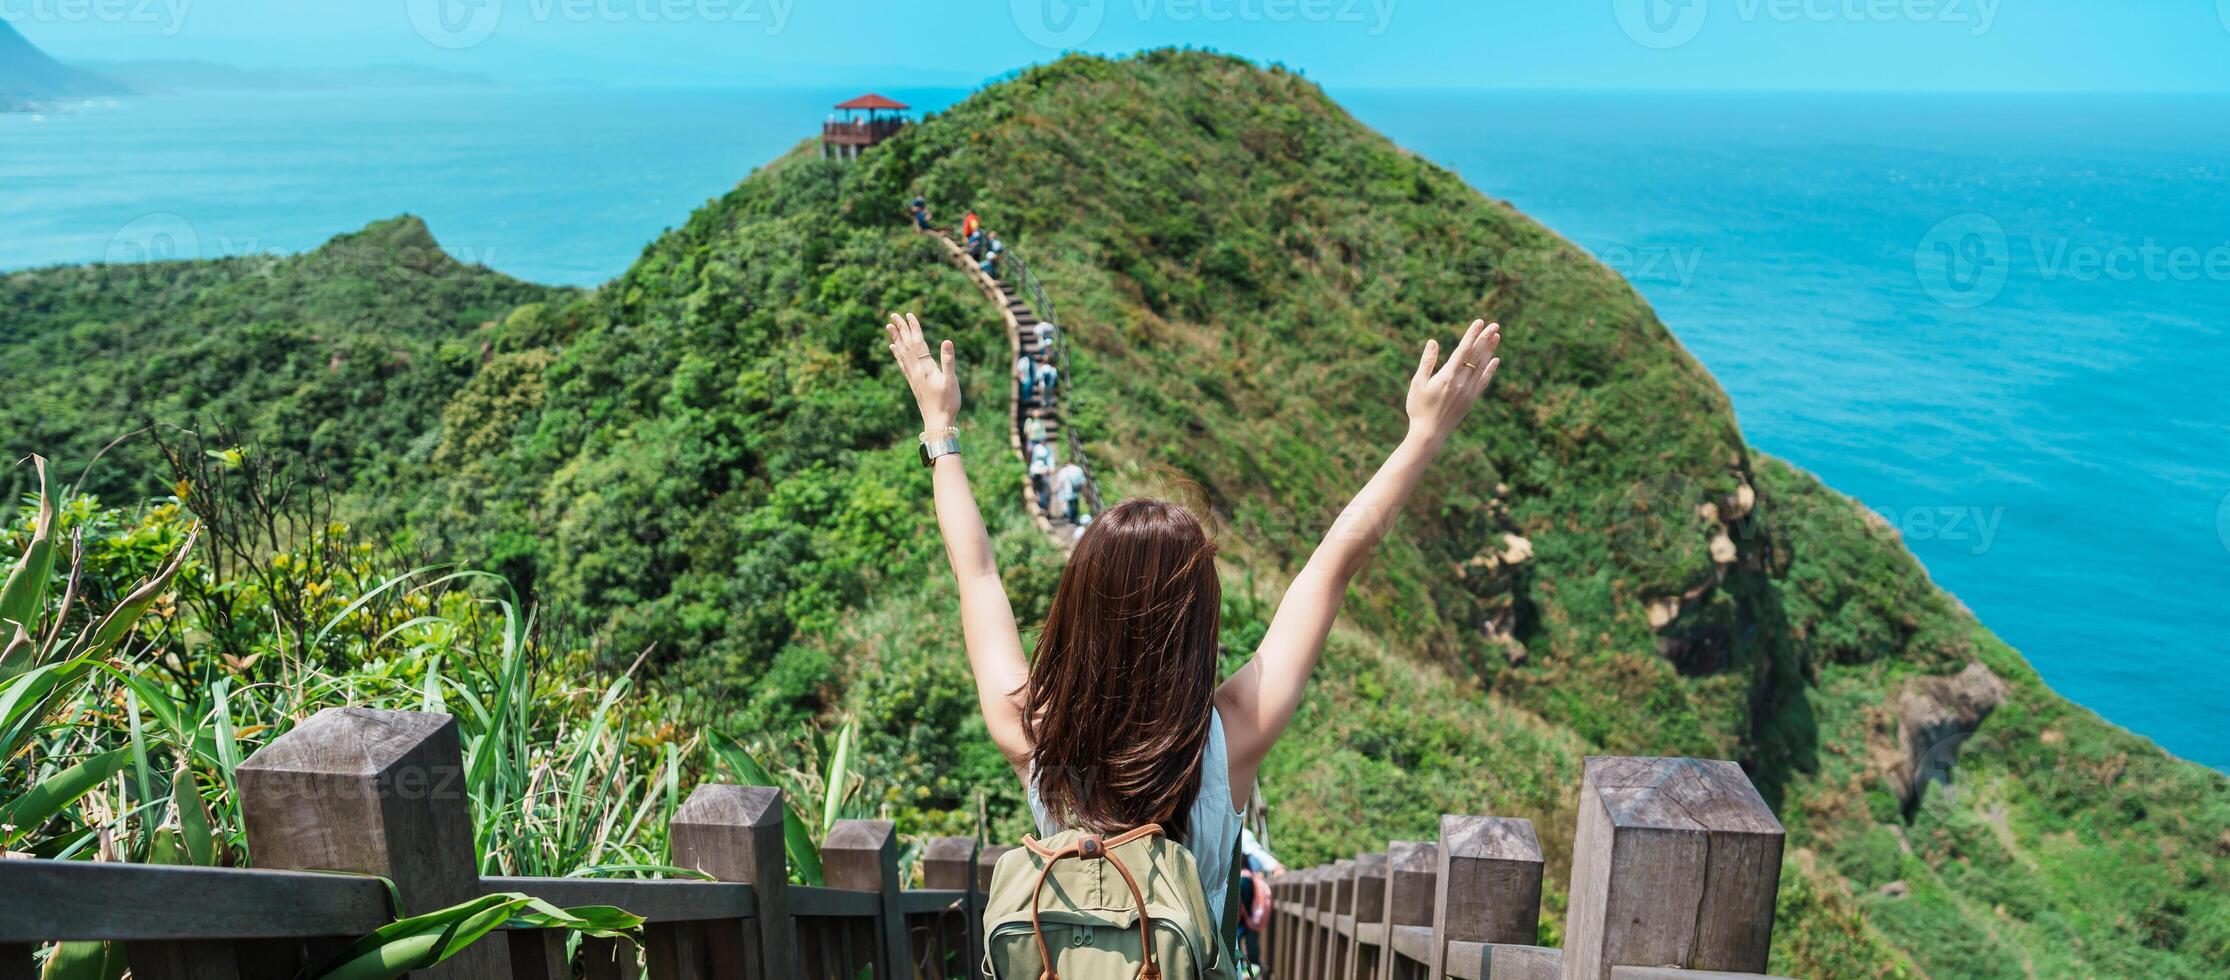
x=344, y=355
x=709, y=459
x=28, y=75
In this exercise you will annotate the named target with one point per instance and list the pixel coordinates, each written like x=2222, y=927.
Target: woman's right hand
x=935, y=383
x=1439, y=401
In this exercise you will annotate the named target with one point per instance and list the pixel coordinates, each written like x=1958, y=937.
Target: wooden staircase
x=1022, y=339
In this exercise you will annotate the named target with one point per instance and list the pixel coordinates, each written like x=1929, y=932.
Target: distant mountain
x=28, y=76
x=156, y=76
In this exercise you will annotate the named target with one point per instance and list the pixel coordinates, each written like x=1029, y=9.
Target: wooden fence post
x=862, y=855
x=1370, y=910
x=950, y=863
x=1316, y=897
x=1410, y=867
x=1677, y=862
x=987, y=861
x=734, y=833
x=1284, y=895
x=1335, y=952
x=1489, y=885
x=374, y=792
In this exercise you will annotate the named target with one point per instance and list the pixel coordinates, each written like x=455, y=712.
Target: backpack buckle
x=1089, y=846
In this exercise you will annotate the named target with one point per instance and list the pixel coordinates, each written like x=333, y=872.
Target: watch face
x=924, y=448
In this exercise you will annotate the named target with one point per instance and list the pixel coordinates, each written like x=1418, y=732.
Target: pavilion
x=844, y=139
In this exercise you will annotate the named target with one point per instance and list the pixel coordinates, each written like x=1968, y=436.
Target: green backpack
x=1079, y=906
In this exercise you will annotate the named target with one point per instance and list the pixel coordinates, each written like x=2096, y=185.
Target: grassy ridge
x=344, y=355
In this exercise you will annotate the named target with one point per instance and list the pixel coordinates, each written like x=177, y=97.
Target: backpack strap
x=1092, y=847
x=1230, y=928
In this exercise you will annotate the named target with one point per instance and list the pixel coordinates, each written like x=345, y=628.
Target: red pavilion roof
x=872, y=101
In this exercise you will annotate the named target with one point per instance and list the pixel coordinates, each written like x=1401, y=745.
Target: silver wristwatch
x=946, y=443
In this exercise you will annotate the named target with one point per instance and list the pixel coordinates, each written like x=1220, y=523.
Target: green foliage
x=343, y=356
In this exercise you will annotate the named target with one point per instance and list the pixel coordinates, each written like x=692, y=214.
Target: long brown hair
x=1117, y=708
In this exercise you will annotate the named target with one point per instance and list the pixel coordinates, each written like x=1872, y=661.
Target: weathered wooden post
x=1336, y=944
x=374, y=792
x=1312, y=927
x=1370, y=918
x=1285, y=954
x=1489, y=885
x=987, y=862
x=862, y=855
x=950, y=863
x=734, y=833
x=1677, y=863
x=1410, y=869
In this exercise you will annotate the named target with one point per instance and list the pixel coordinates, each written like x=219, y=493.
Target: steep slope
x=1247, y=268
x=28, y=75
x=345, y=354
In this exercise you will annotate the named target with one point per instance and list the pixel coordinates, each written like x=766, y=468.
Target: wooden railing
x=1676, y=867
x=382, y=793
x=860, y=132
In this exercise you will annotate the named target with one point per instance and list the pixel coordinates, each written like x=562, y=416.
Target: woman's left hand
x=1438, y=400
x=933, y=377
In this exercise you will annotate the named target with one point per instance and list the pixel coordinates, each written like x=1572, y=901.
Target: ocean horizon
x=1998, y=321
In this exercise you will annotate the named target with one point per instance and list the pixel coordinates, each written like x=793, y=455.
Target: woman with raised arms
x=1119, y=719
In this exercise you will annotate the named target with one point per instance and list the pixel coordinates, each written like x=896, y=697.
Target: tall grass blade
x=839, y=776
x=37, y=805
x=85, y=961
x=23, y=597
x=120, y=620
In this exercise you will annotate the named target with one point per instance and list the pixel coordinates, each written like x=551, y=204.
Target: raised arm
x=1259, y=700
x=986, y=617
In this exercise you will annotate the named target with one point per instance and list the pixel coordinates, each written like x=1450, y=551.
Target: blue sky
x=1862, y=45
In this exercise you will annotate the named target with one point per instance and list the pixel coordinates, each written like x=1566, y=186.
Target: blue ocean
x=2002, y=322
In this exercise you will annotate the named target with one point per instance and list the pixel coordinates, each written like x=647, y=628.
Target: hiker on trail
x=920, y=210
x=1033, y=431
x=1025, y=375
x=1254, y=902
x=1048, y=377
x=1068, y=488
x=991, y=254
x=1044, y=330
x=1042, y=467
x=1120, y=719
x=969, y=226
